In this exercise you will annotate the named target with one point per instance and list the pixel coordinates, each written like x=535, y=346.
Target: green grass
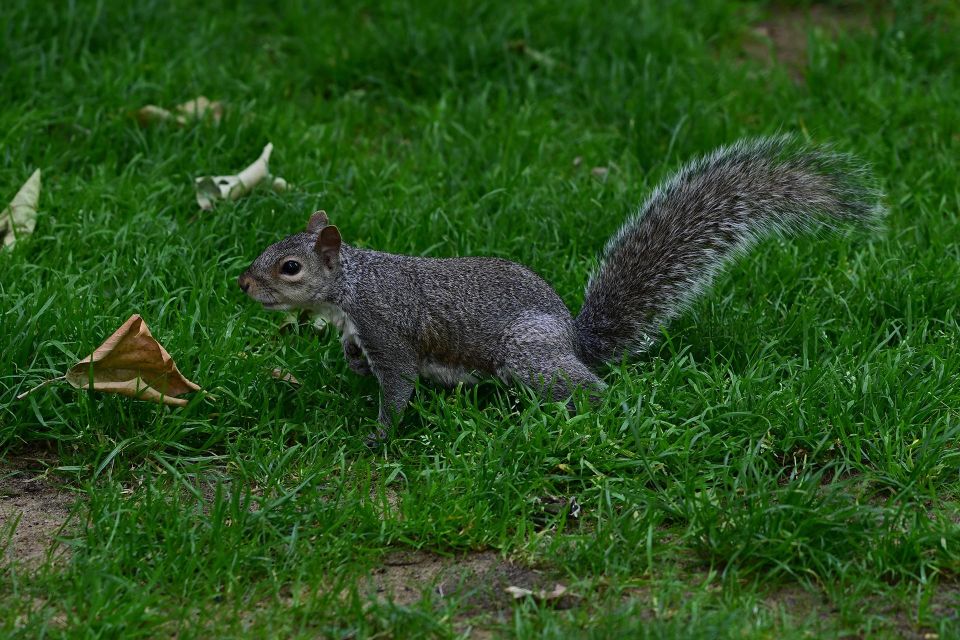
x=795, y=433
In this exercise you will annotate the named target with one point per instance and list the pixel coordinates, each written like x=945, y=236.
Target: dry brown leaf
x=20, y=217
x=210, y=189
x=183, y=114
x=280, y=374
x=132, y=363
x=540, y=594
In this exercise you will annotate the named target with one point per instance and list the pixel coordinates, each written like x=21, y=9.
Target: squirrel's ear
x=317, y=221
x=328, y=246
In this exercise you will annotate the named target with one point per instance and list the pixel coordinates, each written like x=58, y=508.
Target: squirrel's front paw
x=359, y=366
x=356, y=359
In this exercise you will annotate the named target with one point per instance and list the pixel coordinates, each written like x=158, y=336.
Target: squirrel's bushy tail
x=691, y=226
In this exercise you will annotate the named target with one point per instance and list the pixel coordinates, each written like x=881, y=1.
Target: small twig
x=42, y=384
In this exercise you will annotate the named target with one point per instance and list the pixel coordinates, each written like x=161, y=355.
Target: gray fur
x=448, y=319
x=712, y=210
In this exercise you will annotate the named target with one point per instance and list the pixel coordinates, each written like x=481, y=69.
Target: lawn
x=784, y=463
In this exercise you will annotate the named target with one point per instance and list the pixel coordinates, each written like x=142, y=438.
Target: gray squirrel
x=450, y=319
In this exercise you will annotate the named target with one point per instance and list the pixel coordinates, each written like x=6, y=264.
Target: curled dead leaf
x=190, y=111
x=132, y=363
x=151, y=114
x=518, y=592
x=19, y=219
x=540, y=594
x=540, y=58
x=199, y=108
x=280, y=374
x=290, y=322
x=210, y=189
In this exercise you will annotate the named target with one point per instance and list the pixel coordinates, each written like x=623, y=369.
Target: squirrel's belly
x=447, y=375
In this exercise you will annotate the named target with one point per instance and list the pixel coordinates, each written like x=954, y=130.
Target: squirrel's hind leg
x=559, y=379
x=555, y=376
x=540, y=353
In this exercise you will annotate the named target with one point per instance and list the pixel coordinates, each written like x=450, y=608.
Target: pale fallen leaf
x=183, y=114
x=294, y=320
x=540, y=594
x=518, y=592
x=198, y=108
x=545, y=60
x=20, y=217
x=600, y=173
x=132, y=363
x=291, y=320
x=151, y=114
x=213, y=188
x=280, y=374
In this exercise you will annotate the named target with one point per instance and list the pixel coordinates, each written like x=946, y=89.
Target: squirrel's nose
x=244, y=282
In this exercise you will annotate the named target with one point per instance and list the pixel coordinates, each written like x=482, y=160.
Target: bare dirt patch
x=799, y=603
x=477, y=580
x=944, y=606
x=946, y=602
x=899, y=617
x=43, y=507
x=781, y=38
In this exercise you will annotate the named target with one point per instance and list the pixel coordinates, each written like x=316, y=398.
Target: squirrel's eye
x=290, y=268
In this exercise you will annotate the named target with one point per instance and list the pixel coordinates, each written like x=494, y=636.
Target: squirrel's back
x=452, y=310
x=711, y=210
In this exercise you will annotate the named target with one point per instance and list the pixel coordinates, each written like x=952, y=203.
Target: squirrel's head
x=298, y=272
